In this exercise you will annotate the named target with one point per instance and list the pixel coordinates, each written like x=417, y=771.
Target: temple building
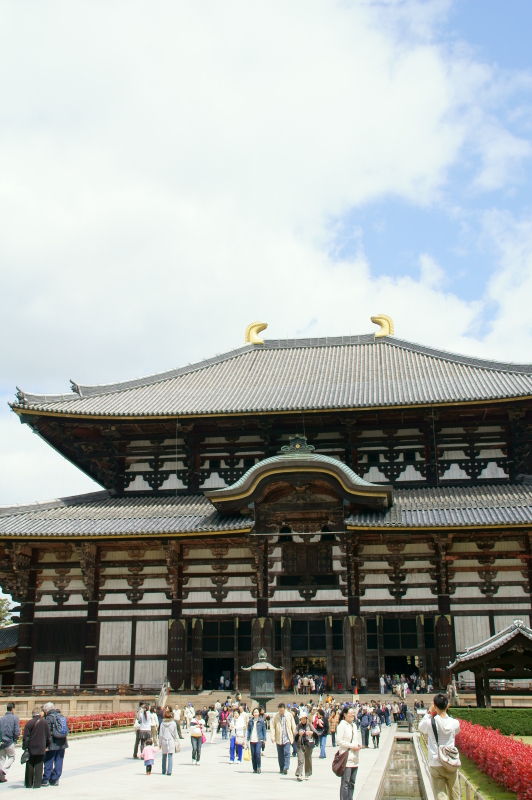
x=353, y=505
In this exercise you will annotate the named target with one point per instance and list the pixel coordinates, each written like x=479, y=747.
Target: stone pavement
x=102, y=767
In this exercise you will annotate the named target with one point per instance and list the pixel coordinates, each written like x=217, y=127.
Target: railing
x=467, y=790
x=98, y=725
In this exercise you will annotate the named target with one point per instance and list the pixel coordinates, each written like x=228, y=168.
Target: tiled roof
x=298, y=374
x=8, y=637
x=99, y=514
x=492, y=644
x=452, y=507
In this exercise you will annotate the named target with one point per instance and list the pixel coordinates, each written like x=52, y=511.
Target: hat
x=303, y=713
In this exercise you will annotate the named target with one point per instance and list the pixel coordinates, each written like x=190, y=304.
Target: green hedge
x=516, y=721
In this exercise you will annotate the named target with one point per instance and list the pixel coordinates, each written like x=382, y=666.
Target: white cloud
x=169, y=173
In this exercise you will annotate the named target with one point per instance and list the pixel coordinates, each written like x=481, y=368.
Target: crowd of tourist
x=44, y=741
x=402, y=685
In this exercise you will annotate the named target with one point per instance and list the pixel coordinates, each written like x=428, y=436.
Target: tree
x=5, y=612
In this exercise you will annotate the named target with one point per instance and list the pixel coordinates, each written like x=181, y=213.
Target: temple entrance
x=308, y=665
x=400, y=665
x=214, y=668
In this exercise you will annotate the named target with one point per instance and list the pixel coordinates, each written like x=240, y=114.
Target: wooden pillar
x=197, y=654
x=380, y=643
x=348, y=650
x=236, y=665
x=444, y=650
x=267, y=638
x=286, y=644
x=479, y=690
x=23, y=589
x=177, y=646
x=133, y=649
x=329, y=647
x=487, y=690
x=256, y=639
x=88, y=674
x=360, y=661
x=422, y=659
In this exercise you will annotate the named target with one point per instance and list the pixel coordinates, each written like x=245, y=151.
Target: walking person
x=144, y=719
x=333, y=721
x=375, y=729
x=148, y=754
x=256, y=736
x=154, y=719
x=364, y=719
x=238, y=734
x=322, y=727
x=282, y=731
x=53, y=760
x=196, y=737
x=306, y=737
x=224, y=722
x=136, y=728
x=212, y=721
x=168, y=741
x=189, y=715
x=9, y=733
x=177, y=720
x=36, y=739
x=347, y=739
x=444, y=782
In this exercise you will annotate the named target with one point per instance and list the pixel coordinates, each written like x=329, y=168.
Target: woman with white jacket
x=347, y=739
x=169, y=743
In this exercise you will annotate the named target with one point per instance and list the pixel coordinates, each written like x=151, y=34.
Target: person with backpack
x=444, y=761
x=35, y=740
x=53, y=760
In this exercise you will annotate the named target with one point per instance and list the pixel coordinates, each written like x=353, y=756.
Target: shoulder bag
x=339, y=762
x=449, y=757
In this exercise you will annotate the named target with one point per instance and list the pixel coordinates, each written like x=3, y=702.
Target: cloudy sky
x=171, y=171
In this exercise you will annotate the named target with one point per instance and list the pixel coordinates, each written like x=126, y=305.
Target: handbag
x=375, y=731
x=239, y=740
x=449, y=757
x=203, y=738
x=25, y=756
x=339, y=762
x=247, y=754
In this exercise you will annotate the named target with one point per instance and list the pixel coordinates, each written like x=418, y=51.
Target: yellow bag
x=247, y=754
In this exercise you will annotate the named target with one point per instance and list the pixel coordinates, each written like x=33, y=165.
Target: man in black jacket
x=365, y=722
x=53, y=760
x=36, y=739
x=9, y=732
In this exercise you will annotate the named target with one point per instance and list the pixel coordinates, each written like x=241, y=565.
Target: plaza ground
x=103, y=767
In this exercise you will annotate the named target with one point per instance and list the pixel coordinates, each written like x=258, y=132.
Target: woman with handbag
x=305, y=737
x=168, y=741
x=375, y=728
x=36, y=739
x=197, y=737
x=256, y=736
x=348, y=747
x=237, y=731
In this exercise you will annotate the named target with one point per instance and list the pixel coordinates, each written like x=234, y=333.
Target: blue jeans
x=283, y=756
x=53, y=765
x=170, y=758
x=256, y=754
x=323, y=742
x=238, y=748
x=224, y=732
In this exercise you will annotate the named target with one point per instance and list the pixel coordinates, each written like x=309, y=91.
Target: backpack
x=59, y=726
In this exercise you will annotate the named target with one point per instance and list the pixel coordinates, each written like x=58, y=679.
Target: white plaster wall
x=502, y=621
x=150, y=673
x=43, y=673
x=115, y=638
x=112, y=673
x=151, y=638
x=469, y=631
x=69, y=674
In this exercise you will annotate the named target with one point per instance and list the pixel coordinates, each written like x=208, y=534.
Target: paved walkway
x=103, y=767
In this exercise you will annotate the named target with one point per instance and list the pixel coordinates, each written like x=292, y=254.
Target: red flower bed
x=506, y=760
x=93, y=722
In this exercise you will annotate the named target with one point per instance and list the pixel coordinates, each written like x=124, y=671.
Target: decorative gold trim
x=103, y=538
x=284, y=470
x=386, y=324
x=252, y=330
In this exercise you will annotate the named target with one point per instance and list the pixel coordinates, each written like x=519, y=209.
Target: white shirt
x=177, y=714
x=447, y=727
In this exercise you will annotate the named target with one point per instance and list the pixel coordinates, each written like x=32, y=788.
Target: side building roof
x=298, y=374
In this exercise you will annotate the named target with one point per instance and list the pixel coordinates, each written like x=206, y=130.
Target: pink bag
x=203, y=738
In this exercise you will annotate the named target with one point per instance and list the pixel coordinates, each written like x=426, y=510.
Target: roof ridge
x=71, y=500
x=84, y=391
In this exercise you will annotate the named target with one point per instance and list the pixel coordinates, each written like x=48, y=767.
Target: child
x=148, y=755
